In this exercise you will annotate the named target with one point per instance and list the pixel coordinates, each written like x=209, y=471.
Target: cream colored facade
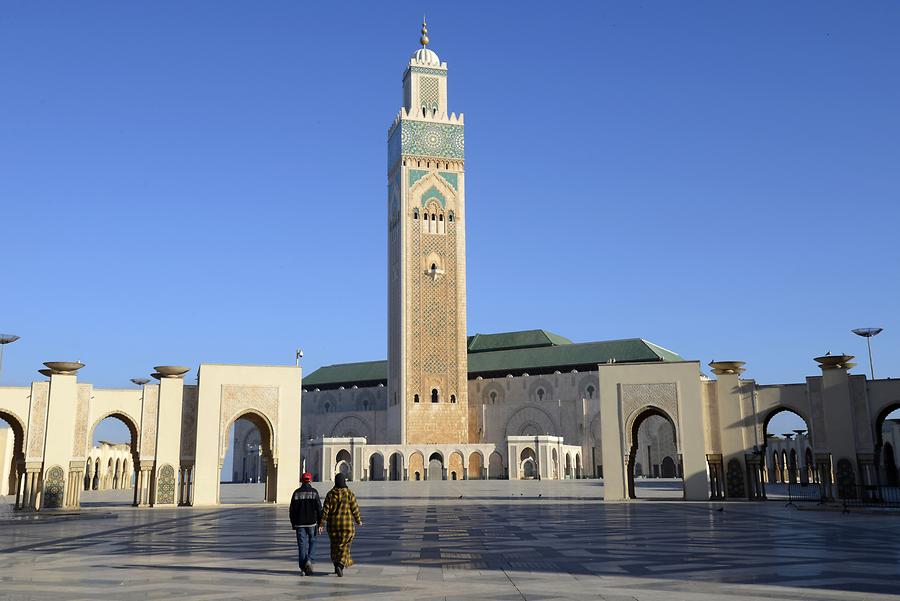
x=178, y=433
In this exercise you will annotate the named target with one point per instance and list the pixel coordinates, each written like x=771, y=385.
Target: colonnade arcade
x=173, y=461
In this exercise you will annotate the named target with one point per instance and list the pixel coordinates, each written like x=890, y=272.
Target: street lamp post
x=867, y=333
x=4, y=340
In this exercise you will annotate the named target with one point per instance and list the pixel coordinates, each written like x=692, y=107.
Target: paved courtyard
x=458, y=540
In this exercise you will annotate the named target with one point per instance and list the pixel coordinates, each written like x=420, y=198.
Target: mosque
x=446, y=405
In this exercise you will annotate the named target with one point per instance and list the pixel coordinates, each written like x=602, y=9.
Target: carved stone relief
x=37, y=422
x=237, y=399
x=148, y=421
x=79, y=444
x=638, y=396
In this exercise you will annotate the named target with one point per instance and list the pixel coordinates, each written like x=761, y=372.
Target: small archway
x=396, y=466
x=579, y=471
x=476, y=466
x=417, y=466
x=495, y=466
x=568, y=466
x=668, y=467
x=887, y=437
x=655, y=436
x=528, y=464
x=554, y=464
x=12, y=426
x=343, y=464
x=786, y=439
x=436, y=466
x=456, y=466
x=110, y=437
x=253, y=439
x=376, y=466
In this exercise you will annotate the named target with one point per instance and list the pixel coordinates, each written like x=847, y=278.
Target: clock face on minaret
x=427, y=367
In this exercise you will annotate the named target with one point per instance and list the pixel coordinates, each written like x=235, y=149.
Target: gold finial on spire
x=424, y=39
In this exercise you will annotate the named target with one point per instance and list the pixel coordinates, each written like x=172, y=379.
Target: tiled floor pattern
x=500, y=541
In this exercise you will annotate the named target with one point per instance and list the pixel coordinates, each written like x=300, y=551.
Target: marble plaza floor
x=455, y=541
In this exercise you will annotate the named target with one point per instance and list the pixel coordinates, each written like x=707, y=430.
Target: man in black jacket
x=306, y=511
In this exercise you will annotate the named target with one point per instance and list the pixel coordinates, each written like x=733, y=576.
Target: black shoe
x=339, y=570
x=307, y=569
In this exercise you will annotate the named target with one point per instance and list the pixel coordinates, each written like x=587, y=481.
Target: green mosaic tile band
x=428, y=71
x=444, y=140
x=451, y=178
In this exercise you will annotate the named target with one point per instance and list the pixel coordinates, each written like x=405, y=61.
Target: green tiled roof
x=349, y=374
x=556, y=353
x=480, y=343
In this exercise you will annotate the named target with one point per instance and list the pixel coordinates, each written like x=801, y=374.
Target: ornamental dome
x=426, y=56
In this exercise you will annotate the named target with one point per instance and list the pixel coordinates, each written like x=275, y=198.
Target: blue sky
x=204, y=182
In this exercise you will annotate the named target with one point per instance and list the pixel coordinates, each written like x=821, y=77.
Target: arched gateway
x=178, y=433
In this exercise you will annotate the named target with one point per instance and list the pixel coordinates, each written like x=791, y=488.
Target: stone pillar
x=731, y=425
x=168, y=433
x=867, y=474
x=61, y=418
x=405, y=474
x=837, y=406
x=823, y=468
x=716, y=480
x=756, y=490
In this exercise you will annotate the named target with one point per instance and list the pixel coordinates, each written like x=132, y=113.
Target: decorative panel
x=79, y=444
x=37, y=423
x=165, y=486
x=637, y=396
x=238, y=399
x=429, y=93
x=429, y=71
x=433, y=194
x=54, y=487
x=189, y=422
x=148, y=421
x=425, y=138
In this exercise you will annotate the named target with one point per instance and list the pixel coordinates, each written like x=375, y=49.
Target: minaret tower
x=427, y=367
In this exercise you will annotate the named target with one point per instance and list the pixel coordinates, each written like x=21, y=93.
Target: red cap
x=306, y=477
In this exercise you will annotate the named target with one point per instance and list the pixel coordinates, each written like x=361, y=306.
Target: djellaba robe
x=339, y=512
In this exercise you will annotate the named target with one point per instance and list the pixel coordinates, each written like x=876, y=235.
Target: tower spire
x=424, y=39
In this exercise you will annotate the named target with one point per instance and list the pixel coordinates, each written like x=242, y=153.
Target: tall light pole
x=867, y=333
x=4, y=340
x=299, y=355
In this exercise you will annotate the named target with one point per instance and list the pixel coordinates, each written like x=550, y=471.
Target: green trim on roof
x=555, y=353
x=480, y=343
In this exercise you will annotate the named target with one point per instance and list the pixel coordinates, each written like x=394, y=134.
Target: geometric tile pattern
x=421, y=541
x=429, y=93
x=423, y=138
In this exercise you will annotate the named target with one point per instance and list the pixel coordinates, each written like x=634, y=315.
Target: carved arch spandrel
x=238, y=400
x=637, y=399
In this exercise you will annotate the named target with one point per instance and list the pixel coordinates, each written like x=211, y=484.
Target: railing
x=804, y=493
x=868, y=495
